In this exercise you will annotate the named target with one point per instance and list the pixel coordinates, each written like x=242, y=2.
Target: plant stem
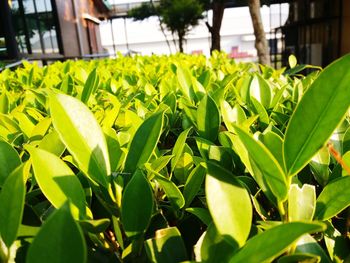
x=282, y=212
x=4, y=252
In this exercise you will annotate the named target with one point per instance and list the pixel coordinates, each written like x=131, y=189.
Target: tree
x=260, y=37
x=218, y=7
x=177, y=15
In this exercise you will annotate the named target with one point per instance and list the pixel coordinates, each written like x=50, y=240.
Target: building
x=50, y=29
x=316, y=31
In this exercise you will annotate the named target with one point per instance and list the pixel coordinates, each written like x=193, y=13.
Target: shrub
x=169, y=159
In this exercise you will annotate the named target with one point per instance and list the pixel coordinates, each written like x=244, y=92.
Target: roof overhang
x=91, y=18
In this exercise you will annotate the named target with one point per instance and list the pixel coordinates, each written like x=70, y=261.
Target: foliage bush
x=171, y=159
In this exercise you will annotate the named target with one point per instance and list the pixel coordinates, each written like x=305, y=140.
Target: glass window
x=18, y=24
x=35, y=26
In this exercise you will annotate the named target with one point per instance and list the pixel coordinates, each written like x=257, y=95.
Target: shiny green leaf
x=60, y=240
x=307, y=244
x=57, y=181
x=9, y=160
x=265, y=164
x=260, y=90
x=144, y=142
x=90, y=86
x=52, y=143
x=301, y=202
x=166, y=246
x=173, y=193
x=214, y=247
x=292, y=60
x=317, y=115
x=137, y=205
x=273, y=242
x=229, y=204
x=202, y=213
x=208, y=119
x=194, y=183
x=12, y=202
x=82, y=135
x=179, y=147
x=334, y=198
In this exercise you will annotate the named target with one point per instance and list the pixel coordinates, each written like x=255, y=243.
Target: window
x=35, y=26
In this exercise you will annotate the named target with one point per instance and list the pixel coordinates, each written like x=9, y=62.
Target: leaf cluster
x=174, y=158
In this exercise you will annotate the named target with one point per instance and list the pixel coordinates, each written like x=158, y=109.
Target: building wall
x=73, y=26
x=345, y=39
x=69, y=36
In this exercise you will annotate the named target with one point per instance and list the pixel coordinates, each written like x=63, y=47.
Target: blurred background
x=316, y=31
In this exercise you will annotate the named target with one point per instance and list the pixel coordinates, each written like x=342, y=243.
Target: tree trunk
x=218, y=13
x=260, y=37
x=181, y=36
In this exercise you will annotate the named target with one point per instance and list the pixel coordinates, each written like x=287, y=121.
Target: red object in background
x=236, y=54
x=197, y=52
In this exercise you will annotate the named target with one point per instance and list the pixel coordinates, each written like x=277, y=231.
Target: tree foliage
x=178, y=15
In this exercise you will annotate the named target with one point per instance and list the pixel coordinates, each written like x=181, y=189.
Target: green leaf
x=4, y=103
x=24, y=122
x=166, y=246
x=334, y=198
x=95, y=226
x=82, y=135
x=12, y=203
x=208, y=119
x=172, y=192
x=202, y=213
x=265, y=164
x=260, y=90
x=144, y=142
x=112, y=114
x=114, y=150
x=194, y=183
x=317, y=115
x=301, y=202
x=90, y=86
x=319, y=165
x=161, y=162
x=307, y=244
x=9, y=160
x=273, y=242
x=59, y=240
x=274, y=143
x=57, y=181
x=185, y=80
x=137, y=205
x=259, y=109
x=232, y=115
x=67, y=85
x=179, y=147
x=229, y=204
x=299, y=257
x=292, y=60
x=40, y=129
x=52, y=143
x=214, y=247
